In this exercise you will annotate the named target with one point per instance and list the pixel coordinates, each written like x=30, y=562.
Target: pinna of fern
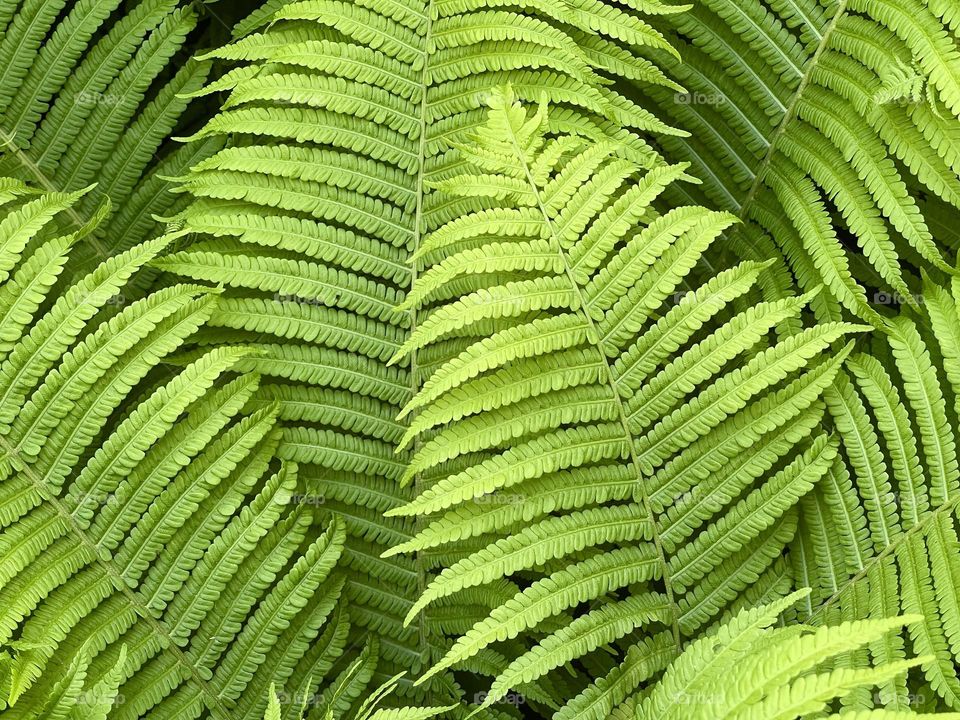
x=337, y=116
x=828, y=128
x=612, y=442
x=153, y=558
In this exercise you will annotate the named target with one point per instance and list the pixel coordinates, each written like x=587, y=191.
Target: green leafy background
x=399, y=359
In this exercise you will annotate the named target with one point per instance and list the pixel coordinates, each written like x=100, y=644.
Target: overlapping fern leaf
x=879, y=536
x=615, y=442
x=748, y=670
x=337, y=115
x=90, y=92
x=829, y=128
x=154, y=559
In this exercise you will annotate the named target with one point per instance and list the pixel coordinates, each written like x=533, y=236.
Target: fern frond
x=612, y=392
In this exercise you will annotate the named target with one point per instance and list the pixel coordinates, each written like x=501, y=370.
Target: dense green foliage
x=390, y=359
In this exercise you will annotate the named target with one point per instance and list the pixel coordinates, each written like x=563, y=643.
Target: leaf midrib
x=418, y=233
x=791, y=112
x=594, y=339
